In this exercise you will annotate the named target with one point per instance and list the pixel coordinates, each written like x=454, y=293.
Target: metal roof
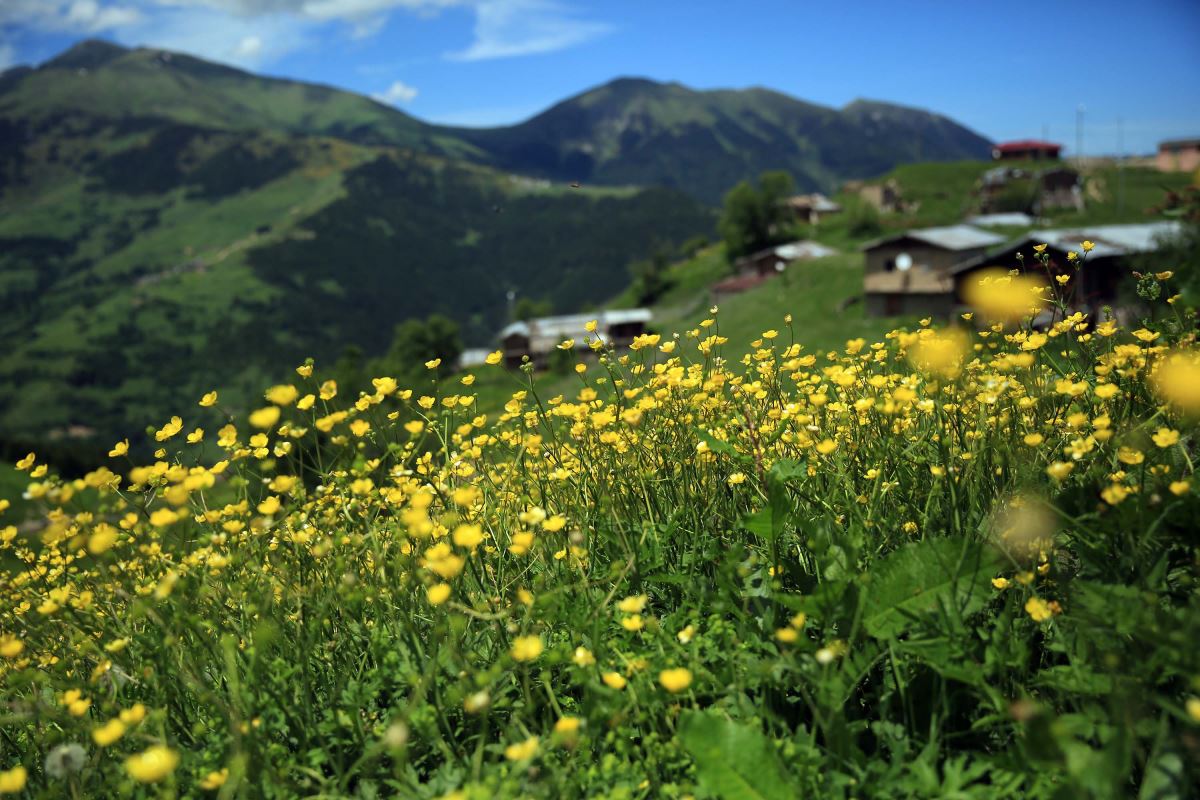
x=574, y=326
x=949, y=237
x=805, y=249
x=1109, y=240
x=1016, y=219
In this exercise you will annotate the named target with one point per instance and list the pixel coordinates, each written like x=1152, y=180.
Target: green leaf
x=734, y=761
x=1074, y=679
x=1166, y=776
x=718, y=446
x=925, y=576
x=769, y=522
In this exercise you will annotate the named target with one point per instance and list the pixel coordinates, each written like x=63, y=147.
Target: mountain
x=142, y=242
x=159, y=212
x=100, y=79
x=702, y=142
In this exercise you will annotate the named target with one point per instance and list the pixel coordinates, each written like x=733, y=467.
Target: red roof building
x=1026, y=150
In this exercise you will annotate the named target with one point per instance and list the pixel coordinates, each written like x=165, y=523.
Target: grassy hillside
x=96, y=78
x=818, y=295
x=137, y=253
x=945, y=193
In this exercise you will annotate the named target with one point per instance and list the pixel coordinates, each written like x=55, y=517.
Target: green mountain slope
x=145, y=259
x=101, y=79
x=640, y=131
x=167, y=224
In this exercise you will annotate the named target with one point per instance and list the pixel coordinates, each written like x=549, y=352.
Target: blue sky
x=1008, y=70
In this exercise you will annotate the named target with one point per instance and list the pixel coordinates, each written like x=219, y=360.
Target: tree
x=862, y=219
x=756, y=218
x=527, y=308
x=417, y=341
x=650, y=278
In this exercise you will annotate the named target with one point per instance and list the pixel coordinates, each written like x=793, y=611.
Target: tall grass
x=945, y=564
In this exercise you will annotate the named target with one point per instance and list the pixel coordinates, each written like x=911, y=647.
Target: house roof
x=791, y=251
x=817, y=202
x=1026, y=144
x=1178, y=143
x=574, y=326
x=805, y=249
x=1015, y=219
x=949, y=237
x=1109, y=240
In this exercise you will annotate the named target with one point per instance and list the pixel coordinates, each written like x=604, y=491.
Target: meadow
x=944, y=562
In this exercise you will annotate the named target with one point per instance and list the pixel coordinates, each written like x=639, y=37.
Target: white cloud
x=242, y=42
x=90, y=16
x=507, y=28
x=76, y=16
x=249, y=47
x=251, y=33
x=399, y=92
x=8, y=56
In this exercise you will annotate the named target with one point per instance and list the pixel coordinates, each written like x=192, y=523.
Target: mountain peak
x=87, y=54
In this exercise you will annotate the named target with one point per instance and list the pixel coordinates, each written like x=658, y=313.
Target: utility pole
x=1120, y=165
x=1079, y=111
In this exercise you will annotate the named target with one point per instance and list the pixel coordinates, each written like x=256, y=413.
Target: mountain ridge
x=631, y=130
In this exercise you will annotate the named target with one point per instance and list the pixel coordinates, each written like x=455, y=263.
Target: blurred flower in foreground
x=1003, y=296
x=940, y=353
x=1024, y=527
x=1177, y=380
x=152, y=764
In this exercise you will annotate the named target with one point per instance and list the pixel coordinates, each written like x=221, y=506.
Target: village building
x=1009, y=189
x=539, y=338
x=911, y=273
x=1026, y=150
x=811, y=208
x=883, y=197
x=1090, y=288
x=757, y=268
x=1178, y=155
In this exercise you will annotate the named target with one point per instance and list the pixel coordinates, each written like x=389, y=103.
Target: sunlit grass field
x=929, y=563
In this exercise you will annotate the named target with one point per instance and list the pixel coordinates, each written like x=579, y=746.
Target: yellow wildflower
x=675, y=680
x=527, y=648
x=152, y=764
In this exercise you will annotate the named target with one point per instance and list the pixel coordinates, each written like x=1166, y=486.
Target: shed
x=909, y=273
x=811, y=208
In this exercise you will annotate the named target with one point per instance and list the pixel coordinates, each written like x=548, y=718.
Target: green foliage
x=651, y=279
x=756, y=217
x=123, y=301
x=418, y=341
x=733, y=760
x=527, y=308
x=934, y=576
x=862, y=220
